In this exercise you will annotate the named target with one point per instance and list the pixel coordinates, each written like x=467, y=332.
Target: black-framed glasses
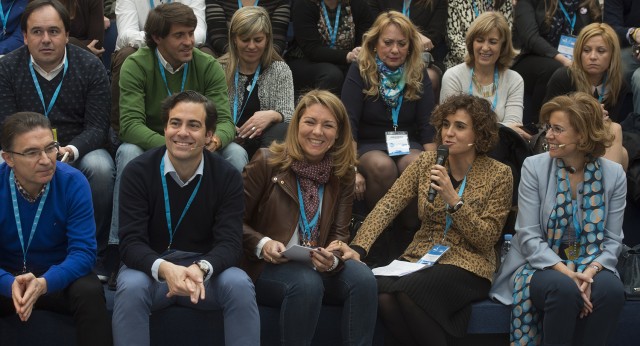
x=555, y=129
x=35, y=154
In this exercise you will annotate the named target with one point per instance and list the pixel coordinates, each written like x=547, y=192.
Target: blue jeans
x=100, y=171
x=126, y=152
x=233, y=153
x=298, y=291
x=138, y=295
x=631, y=73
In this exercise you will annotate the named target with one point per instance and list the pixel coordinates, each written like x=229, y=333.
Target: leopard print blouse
x=476, y=227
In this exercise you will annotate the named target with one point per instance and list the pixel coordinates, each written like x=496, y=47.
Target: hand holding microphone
x=443, y=154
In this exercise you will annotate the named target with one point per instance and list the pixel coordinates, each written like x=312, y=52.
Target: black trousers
x=557, y=296
x=535, y=71
x=84, y=299
x=309, y=75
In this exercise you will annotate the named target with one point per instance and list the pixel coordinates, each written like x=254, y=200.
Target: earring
x=375, y=50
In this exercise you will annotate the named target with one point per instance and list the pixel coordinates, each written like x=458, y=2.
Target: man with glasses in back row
x=47, y=238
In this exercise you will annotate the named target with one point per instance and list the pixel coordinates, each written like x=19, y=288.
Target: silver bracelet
x=335, y=264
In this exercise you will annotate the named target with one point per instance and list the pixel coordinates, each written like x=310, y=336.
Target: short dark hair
x=193, y=97
x=19, y=123
x=485, y=120
x=162, y=17
x=36, y=4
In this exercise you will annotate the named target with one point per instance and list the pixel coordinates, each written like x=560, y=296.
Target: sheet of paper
x=298, y=253
x=398, y=268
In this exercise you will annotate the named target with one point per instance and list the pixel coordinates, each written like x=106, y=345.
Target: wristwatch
x=203, y=266
x=455, y=207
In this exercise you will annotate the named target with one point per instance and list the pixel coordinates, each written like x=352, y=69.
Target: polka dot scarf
x=526, y=326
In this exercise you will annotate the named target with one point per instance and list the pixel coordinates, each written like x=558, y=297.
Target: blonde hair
x=483, y=25
x=248, y=21
x=342, y=152
x=585, y=116
x=414, y=67
x=614, y=71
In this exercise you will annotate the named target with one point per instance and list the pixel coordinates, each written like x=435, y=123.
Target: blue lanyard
x=167, y=207
x=495, y=85
x=240, y=3
x=47, y=109
x=236, y=116
x=571, y=21
x=164, y=77
x=333, y=33
x=16, y=214
x=152, y=6
x=449, y=219
x=405, y=7
x=5, y=17
x=475, y=9
x=604, y=89
x=304, y=223
x=395, y=113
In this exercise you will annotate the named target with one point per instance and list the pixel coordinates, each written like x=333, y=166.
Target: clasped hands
x=25, y=291
x=584, y=281
x=183, y=281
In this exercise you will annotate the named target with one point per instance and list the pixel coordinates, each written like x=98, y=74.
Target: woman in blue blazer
x=568, y=233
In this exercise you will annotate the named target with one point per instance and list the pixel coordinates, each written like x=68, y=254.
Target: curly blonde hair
x=343, y=152
x=414, y=67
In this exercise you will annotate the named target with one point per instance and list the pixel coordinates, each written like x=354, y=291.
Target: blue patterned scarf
x=391, y=83
x=526, y=326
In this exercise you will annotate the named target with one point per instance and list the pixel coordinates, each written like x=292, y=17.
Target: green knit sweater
x=142, y=91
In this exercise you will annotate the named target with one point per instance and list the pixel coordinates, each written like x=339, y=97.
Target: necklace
x=485, y=90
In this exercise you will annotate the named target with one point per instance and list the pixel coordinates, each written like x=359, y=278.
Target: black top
x=212, y=225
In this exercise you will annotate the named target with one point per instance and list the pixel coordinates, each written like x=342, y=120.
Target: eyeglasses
x=555, y=129
x=35, y=154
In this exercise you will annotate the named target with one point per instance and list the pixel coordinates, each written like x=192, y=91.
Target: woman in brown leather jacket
x=300, y=192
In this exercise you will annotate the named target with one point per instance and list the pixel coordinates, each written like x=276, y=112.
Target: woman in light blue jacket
x=568, y=233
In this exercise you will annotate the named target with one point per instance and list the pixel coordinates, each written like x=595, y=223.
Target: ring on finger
x=253, y=128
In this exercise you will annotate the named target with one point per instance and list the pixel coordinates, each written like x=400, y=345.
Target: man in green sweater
x=169, y=64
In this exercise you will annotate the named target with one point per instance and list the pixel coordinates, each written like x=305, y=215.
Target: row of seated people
x=230, y=254
x=319, y=54
x=270, y=105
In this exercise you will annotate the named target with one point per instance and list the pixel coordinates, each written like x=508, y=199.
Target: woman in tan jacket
x=474, y=193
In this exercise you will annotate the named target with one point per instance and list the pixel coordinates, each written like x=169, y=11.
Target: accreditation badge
x=397, y=142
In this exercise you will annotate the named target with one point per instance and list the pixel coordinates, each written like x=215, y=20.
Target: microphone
x=198, y=146
x=443, y=154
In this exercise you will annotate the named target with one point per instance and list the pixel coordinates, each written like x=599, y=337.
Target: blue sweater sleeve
x=13, y=40
x=80, y=231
